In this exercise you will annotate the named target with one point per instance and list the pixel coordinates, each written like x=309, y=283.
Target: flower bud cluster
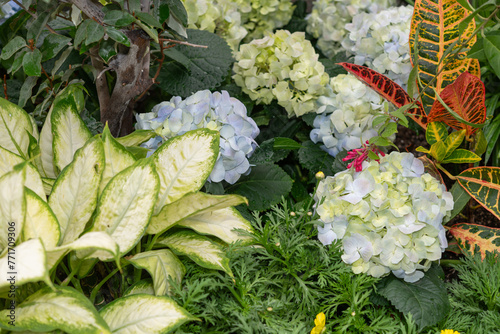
x=389, y=216
x=346, y=114
x=216, y=111
x=281, y=66
x=380, y=41
x=328, y=19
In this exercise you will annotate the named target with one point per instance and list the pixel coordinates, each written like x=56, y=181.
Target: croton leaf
x=465, y=96
x=389, y=90
x=436, y=22
x=468, y=236
x=435, y=132
x=483, y=184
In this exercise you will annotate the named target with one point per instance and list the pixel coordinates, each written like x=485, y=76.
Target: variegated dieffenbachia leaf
x=144, y=286
x=160, y=264
x=46, y=149
x=471, y=237
x=198, y=248
x=126, y=205
x=184, y=163
x=64, y=308
x=12, y=207
x=144, y=314
x=136, y=138
x=15, y=124
x=222, y=223
x=189, y=205
x=74, y=195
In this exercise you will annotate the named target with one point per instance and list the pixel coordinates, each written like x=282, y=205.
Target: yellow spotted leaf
x=468, y=236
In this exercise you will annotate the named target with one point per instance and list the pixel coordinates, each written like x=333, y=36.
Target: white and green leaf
x=160, y=264
x=12, y=206
x=144, y=286
x=189, y=205
x=144, y=314
x=137, y=137
x=46, y=148
x=74, y=195
x=184, y=163
x=202, y=250
x=65, y=309
x=15, y=123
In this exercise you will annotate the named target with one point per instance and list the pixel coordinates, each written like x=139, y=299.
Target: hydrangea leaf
x=184, y=163
x=126, y=219
x=144, y=286
x=12, y=207
x=136, y=138
x=189, y=205
x=483, y=184
x=208, y=66
x=437, y=24
x=29, y=265
x=425, y=299
x=69, y=132
x=40, y=221
x=144, y=314
x=160, y=264
x=65, y=309
x=74, y=195
x=474, y=237
x=222, y=223
x=198, y=248
x=315, y=159
x=14, y=123
x=435, y=131
x=264, y=186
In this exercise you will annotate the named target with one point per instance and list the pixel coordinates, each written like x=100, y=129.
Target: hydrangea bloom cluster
x=216, y=111
x=328, y=18
x=221, y=17
x=380, y=41
x=388, y=216
x=346, y=114
x=281, y=66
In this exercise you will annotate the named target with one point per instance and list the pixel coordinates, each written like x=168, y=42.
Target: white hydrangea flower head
x=346, y=114
x=328, y=18
x=380, y=41
x=216, y=111
x=221, y=17
x=281, y=66
x=389, y=216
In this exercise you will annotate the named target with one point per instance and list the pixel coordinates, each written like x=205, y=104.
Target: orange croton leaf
x=466, y=97
x=487, y=239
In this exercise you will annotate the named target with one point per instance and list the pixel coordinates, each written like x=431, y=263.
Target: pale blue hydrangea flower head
x=389, y=216
x=380, y=42
x=345, y=115
x=216, y=111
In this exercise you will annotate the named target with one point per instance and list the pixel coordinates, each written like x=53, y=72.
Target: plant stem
x=449, y=263
x=96, y=288
x=445, y=171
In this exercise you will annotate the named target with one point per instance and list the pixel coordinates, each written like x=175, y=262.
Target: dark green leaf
x=18, y=61
x=266, y=153
x=426, y=299
x=37, y=25
x=178, y=56
x=163, y=13
x=286, y=143
x=312, y=157
x=81, y=32
x=491, y=45
x=460, y=199
x=95, y=32
x=118, y=36
x=52, y=44
x=148, y=19
x=331, y=66
x=263, y=187
x=477, y=50
x=177, y=9
x=32, y=63
x=26, y=89
x=118, y=18
x=107, y=50
x=208, y=67
x=12, y=47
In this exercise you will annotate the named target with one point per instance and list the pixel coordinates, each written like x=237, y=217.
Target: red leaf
x=388, y=89
x=466, y=97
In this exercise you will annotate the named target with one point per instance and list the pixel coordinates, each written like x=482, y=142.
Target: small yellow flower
x=320, y=175
x=320, y=324
x=449, y=331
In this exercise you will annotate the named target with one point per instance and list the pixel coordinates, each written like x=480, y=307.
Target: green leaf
x=312, y=157
x=12, y=47
x=266, y=153
x=491, y=45
x=126, y=220
x=144, y=314
x=389, y=129
x=18, y=62
x=264, y=186
x=37, y=25
x=136, y=138
x=480, y=143
x=176, y=8
x=460, y=200
x=12, y=207
x=107, y=50
x=483, y=184
x=118, y=18
x=380, y=141
x=453, y=141
x=118, y=36
x=198, y=248
x=95, y=32
x=461, y=156
x=52, y=44
x=81, y=32
x=160, y=264
x=477, y=50
x=438, y=151
x=189, y=205
x=46, y=148
x=285, y=143
x=426, y=299
x=163, y=13
x=65, y=309
x=436, y=131
x=26, y=90
x=144, y=286
x=179, y=57
x=208, y=67
x=32, y=63
x=184, y=163
x=74, y=195
x=148, y=19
